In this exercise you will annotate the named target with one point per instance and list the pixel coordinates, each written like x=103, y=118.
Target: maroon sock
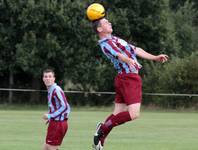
x=107, y=132
x=118, y=119
x=114, y=120
x=121, y=118
x=109, y=117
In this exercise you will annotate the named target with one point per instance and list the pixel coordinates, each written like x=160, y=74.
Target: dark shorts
x=56, y=132
x=128, y=88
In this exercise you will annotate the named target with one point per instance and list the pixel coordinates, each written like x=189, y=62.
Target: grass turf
x=25, y=130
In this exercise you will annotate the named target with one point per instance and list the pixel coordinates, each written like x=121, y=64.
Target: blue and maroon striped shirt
x=59, y=108
x=113, y=45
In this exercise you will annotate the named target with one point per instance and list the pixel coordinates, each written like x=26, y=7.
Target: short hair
x=95, y=25
x=49, y=70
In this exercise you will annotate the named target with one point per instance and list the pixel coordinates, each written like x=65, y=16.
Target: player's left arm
x=63, y=105
x=143, y=54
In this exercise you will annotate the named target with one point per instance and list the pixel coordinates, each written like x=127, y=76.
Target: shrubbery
x=180, y=74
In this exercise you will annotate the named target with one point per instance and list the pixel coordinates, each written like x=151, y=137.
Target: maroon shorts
x=128, y=88
x=56, y=132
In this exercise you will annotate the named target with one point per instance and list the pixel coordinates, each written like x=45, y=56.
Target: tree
x=9, y=25
x=184, y=28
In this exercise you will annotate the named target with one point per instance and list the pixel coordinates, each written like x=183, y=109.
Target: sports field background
x=155, y=130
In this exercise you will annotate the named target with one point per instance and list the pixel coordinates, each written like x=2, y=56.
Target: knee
x=134, y=115
x=45, y=147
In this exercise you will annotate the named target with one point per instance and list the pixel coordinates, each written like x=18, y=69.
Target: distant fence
x=96, y=98
x=99, y=93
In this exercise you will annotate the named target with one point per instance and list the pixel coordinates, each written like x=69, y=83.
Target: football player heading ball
x=128, y=84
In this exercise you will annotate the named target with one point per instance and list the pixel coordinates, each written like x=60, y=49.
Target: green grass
x=25, y=130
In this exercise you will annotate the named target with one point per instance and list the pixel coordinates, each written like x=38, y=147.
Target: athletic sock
x=109, y=117
x=116, y=120
x=107, y=132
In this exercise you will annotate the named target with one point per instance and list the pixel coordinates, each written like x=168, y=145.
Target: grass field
x=25, y=130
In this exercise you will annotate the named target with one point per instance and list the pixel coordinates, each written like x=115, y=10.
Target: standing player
x=58, y=112
x=128, y=84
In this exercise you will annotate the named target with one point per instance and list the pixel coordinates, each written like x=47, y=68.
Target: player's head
x=102, y=26
x=48, y=77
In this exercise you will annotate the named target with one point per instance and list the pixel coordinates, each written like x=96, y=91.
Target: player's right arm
x=127, y=60
x=112, y=50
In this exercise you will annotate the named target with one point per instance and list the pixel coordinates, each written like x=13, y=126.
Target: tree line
x=36, y=34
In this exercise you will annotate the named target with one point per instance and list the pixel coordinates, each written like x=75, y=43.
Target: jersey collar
x=105, y=39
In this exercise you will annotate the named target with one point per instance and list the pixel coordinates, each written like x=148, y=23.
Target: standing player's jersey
x=59, y=108
x=111, y=46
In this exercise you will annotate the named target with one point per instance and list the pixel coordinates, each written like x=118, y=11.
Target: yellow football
x=95, y=11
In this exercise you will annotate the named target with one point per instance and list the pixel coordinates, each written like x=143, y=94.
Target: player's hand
x=45, y=117
x=161, y=58
x=132, y=63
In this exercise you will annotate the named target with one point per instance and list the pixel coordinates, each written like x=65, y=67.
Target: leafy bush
x=178, y=76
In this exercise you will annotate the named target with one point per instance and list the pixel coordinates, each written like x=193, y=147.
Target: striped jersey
x=59, y=108
x=113, y=45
